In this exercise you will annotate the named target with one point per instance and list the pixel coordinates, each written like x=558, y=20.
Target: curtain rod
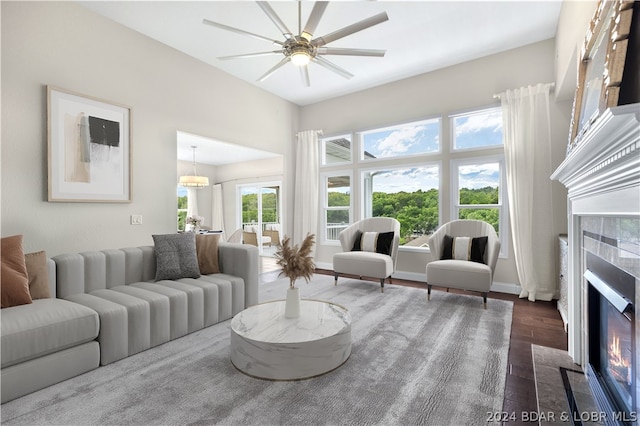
x=551, y=88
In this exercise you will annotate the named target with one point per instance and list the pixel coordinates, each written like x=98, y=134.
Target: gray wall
x=65, y=45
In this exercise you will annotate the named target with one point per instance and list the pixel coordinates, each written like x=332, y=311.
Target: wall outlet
x=136, y=219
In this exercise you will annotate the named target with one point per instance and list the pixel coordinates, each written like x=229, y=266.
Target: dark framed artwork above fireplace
x=607, y=73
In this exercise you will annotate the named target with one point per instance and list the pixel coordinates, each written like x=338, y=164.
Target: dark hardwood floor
x=536, y=323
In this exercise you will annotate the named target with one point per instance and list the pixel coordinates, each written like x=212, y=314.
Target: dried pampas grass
x=296, y=262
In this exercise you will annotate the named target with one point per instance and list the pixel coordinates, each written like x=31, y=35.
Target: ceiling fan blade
x=239, y=31
x=274, y=69
x=304, y=74
x=314, y=18
x=251, y=55
x=333, y=67
x=350, y=52
x=275, y=19
x=350, y=29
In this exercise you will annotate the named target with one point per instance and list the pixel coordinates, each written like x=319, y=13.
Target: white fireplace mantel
x=602, y=176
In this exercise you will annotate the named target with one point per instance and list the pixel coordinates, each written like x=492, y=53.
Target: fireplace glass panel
x=616, y=352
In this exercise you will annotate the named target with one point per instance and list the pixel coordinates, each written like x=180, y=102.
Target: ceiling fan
x=303, y=48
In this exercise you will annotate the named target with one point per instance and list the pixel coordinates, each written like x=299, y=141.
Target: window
x=337, y=205
x=409, y=194
x=182, y=207
x=477, y=129
x=405, y=171
x=478, y=188
x=421, y=137
x=336, y=150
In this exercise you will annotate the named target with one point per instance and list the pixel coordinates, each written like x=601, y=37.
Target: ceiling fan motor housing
x=297, y=45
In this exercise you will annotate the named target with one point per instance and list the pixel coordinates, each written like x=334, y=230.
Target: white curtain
x=305, y=218
x=217, y=211
x=192, y=202
x=527, y=146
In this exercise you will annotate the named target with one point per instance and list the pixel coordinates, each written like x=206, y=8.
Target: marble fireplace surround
x=602, y=175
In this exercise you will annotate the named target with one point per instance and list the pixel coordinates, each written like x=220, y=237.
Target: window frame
x=471, y=111
x=324, y=196
x=447, y=158
x=358, y=141
x=323, y=150
x=179, y=210
x=400, y=165
x=503, y=201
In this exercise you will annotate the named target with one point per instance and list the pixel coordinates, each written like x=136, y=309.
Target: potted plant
x=296, y=262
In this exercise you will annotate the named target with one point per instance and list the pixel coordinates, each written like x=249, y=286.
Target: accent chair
x=370, y=248
x=464, y=254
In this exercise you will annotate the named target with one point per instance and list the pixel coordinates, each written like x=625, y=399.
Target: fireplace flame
x=620, y=365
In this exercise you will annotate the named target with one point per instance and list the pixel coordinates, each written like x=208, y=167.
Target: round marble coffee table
x=267, y=345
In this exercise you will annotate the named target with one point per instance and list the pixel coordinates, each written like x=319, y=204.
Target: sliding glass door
x=260, y=207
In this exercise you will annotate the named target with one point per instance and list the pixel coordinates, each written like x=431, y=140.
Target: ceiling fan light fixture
x=300, y=58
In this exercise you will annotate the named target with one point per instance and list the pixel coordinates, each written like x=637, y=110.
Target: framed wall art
x=601, y=67
x=89, y=148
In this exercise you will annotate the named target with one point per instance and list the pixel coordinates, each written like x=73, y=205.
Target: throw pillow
x=464, y=248
x=207, y=253
x=377, y=242
x=176, y=256
x=14, y=282
x=38, y=275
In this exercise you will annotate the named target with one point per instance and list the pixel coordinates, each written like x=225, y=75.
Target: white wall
x=572, y=28
x=64, y=44
x=452, y=89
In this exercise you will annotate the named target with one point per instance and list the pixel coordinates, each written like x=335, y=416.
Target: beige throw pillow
x=38, y=275
x=14, y=282
x=207, y=252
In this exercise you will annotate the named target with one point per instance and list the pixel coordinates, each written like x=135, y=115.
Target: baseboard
x=498, y=287
x=508, y=288
x=563, y=315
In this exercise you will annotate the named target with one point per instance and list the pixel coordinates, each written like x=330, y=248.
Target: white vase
x=292, y=304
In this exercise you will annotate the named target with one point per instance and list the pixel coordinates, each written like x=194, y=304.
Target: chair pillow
x=38, y=274
x=14, y=281
x=376, y=242
x=207, y=253
x=464, y=248
x=176, y=256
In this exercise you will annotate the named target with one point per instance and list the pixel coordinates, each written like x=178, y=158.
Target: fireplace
x=611, y=347
x=602, y=175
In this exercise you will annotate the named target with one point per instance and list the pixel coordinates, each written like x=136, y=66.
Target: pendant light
x=194, y=181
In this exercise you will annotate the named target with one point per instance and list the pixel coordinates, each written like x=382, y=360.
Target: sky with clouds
x=418, y=138
x=471, y=131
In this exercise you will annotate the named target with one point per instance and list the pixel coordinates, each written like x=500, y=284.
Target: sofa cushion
x=207, y=253
x=38, y=274
x=475, y=276
x=14, y=281
x=44, y=327
x=377, y=265
x=176, y=256
x=464, y=248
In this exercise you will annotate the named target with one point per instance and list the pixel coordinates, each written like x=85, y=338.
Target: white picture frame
x=89, y=149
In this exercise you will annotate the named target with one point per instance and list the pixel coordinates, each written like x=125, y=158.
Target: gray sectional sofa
x=106, y=305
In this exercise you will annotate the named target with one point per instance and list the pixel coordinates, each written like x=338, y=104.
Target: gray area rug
x=441, y=362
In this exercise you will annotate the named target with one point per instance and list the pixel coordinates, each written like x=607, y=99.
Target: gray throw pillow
x=176, y=256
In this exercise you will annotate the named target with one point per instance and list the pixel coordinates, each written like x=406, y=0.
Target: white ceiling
x=216, y=153
x=420, y=36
